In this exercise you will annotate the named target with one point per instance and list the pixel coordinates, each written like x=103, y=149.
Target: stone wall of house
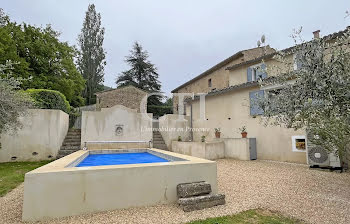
x=129, y=97
x=230, y=112
x=220, y=77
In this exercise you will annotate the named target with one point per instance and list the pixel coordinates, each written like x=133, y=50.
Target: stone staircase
x=71, y=143
x=158, y=141
x=197, y=195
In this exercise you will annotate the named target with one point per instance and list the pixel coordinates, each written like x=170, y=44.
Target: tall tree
x=142, y=74
x=38, y=54
x=4, y=19
x=91, y=60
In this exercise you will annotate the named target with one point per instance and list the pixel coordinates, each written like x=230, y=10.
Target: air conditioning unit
x=318, y=156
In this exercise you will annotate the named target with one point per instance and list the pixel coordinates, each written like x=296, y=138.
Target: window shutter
x=249, y=74
x=298, y=61
x=263, y=71
x=254, y=96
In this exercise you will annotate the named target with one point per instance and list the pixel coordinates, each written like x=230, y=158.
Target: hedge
x=159, y=111
x=49, y=99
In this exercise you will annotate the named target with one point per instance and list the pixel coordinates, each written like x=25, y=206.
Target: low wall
x=235, y=148
x=171, y=128
x=40, y=138
x=206, y=150
x=117, y=123
x=57, y=190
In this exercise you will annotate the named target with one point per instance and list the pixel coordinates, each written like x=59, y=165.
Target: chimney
x=316, y=34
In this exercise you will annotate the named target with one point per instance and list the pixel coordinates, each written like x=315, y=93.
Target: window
x=209, y=82
x=299, y=143
x=255, y=108
x=256, y=72
x=297, y=61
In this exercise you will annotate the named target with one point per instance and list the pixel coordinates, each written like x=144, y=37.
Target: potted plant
x=203, y=138
x=243, y=131
x=217, y=132
x=179, y=138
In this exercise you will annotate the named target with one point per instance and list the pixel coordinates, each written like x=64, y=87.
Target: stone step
x=73, y=137
x=72, y=140
x=158, y=141
x=187, y=190
x=157, y=133
x=164, y=147
x=70, y=147
x=157, y=138
x=201, y=202
x=159, y=145
x=71, y=143
x=67, y=151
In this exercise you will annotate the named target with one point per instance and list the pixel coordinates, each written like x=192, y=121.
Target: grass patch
x=12, y=174
x=257, y=216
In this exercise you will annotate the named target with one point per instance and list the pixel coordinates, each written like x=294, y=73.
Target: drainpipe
x=191, y=125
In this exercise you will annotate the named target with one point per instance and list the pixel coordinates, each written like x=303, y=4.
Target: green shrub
x=73, y=116
x=179, y=138
x=160, y=110
x=49, y=99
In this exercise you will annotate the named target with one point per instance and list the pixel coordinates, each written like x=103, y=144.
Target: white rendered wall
x=40, y=138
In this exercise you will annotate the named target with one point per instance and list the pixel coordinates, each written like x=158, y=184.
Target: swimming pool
x=120, y=159
x=65, y=187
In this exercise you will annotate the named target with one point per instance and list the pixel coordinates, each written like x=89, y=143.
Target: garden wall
x=117, y=123
x=171, y=128
x=235, y=148
x=40, y=138
x=204, y=150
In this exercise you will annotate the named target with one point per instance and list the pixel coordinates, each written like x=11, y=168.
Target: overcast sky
x=183, y=37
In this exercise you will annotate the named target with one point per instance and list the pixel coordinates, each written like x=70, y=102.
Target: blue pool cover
x=119, y=159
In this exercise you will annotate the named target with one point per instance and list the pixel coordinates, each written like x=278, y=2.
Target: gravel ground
x=293, y=190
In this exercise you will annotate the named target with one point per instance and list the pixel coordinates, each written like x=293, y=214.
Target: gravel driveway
x=293, y=190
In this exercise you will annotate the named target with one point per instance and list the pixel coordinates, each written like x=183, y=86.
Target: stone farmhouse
x=231, y=86
x=128, y=96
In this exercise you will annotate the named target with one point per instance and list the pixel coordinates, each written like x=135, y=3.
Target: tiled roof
x=286, y=51
x=231, y=88
x=251, y=61
x=215, y=67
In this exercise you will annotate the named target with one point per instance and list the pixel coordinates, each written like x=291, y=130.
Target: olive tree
x=13, y=102
x=312, y=92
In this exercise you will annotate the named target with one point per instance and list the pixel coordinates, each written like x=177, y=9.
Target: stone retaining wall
x=40, y=138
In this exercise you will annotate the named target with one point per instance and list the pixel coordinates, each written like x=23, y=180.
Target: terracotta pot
x=244, y=134
x=217, y=134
